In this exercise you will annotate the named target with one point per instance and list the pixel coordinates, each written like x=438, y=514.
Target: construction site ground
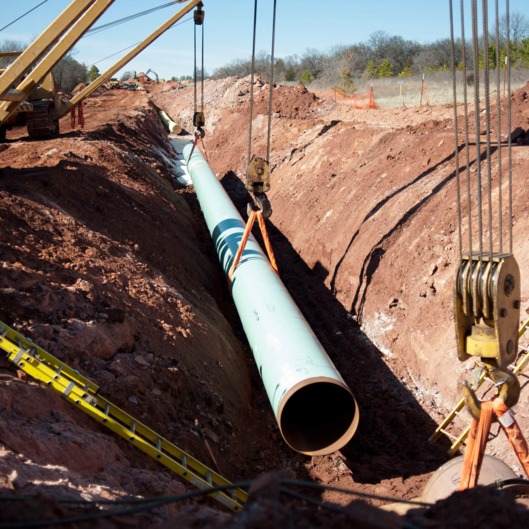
x=107, y=264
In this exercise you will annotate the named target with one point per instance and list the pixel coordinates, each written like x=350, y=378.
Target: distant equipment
x=154, y=73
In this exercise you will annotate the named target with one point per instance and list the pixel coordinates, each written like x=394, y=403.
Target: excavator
x=27, y=90
x=154, y=73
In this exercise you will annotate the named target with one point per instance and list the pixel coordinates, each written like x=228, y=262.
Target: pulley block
x=199, y=119
x=487, y=307
x=198, y=15
x=258, y=176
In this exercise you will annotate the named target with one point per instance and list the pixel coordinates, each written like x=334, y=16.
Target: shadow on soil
x=392, y=438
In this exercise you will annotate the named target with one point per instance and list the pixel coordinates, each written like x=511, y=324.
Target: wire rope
x=509, y=124
x=467, y=139
x=456, y=129
x=139, y=42
x=475, y=46
x=114, y=23
x=195, y=67
x=486, y=83
x=202, y=72
x=271, y=84
x=252, y=75
x=498, y=126
x=22, y=16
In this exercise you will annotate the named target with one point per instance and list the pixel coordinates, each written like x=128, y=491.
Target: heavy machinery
x=154, y=73
x=40, y=112
x=26, y=85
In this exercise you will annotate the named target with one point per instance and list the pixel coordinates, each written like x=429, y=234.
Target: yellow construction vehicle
x=39, y=112
x=26, y=85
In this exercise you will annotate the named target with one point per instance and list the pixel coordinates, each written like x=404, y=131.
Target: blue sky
x=301, y=25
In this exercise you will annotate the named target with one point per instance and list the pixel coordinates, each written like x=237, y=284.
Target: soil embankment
x=107, y=264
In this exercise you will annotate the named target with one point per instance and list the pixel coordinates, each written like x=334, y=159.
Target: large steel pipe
x=315, y=410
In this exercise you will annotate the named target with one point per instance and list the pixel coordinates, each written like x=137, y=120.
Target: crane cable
x=483, y=157
x=199, y=118
x=110, y=25
x=271, y=84
x=22, y=16
x=258, y=169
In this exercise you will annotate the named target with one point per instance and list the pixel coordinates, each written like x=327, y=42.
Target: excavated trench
x=108, y=264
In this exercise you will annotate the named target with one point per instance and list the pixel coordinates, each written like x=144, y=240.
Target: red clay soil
x=108, y=265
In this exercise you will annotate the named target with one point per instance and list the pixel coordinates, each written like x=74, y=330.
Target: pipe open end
x=319, y=417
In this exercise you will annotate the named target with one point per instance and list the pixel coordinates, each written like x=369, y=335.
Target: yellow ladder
x=82, y=393
x=458, y=440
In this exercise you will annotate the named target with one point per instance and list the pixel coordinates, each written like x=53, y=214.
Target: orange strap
x=266, y=239
x=72, y=117
x=477, y=440
x=80, y=115
x=195, y=143
x=475, y=449
x=244, y=240
x=513, y=433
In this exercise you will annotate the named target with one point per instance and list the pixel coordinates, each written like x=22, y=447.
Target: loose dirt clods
x=107, y=264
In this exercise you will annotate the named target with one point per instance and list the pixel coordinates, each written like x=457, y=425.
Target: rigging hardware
x=459, y=439
x=487, y=284
x=258, y=168
x=199, y=117
x=84, y=394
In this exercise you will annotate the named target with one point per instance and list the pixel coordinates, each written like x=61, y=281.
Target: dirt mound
x=288, y=102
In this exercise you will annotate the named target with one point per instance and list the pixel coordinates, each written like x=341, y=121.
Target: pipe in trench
x=170, y=126
x=315, y=410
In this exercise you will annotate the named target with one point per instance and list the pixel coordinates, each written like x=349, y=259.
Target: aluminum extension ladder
x=83, y=394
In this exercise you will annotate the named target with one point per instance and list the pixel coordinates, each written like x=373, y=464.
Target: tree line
x=67, y=73
x=382, y=55
x=385, y=55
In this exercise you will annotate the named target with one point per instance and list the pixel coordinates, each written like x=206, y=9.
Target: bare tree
x=68, y=72
x=518, y=29
x=10, y=45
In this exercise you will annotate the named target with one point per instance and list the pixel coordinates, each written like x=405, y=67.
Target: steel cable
x=271, y=83
x=467, y=139
x=139, y=42
x=498, y=125
x=456, y=129
x=195, y=67
x=251, y=81
x=509, y=124
x=475, y=46
x=270, y=100
x=202, y=72
x=110, y=25
x=486, y=82
x=22, y=16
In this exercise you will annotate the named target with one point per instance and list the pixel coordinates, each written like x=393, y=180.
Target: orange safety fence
x=358, y=100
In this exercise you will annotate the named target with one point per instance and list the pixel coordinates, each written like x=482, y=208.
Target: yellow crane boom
x=20, y=79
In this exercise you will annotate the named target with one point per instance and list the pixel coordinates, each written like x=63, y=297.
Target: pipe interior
x=317, y=416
